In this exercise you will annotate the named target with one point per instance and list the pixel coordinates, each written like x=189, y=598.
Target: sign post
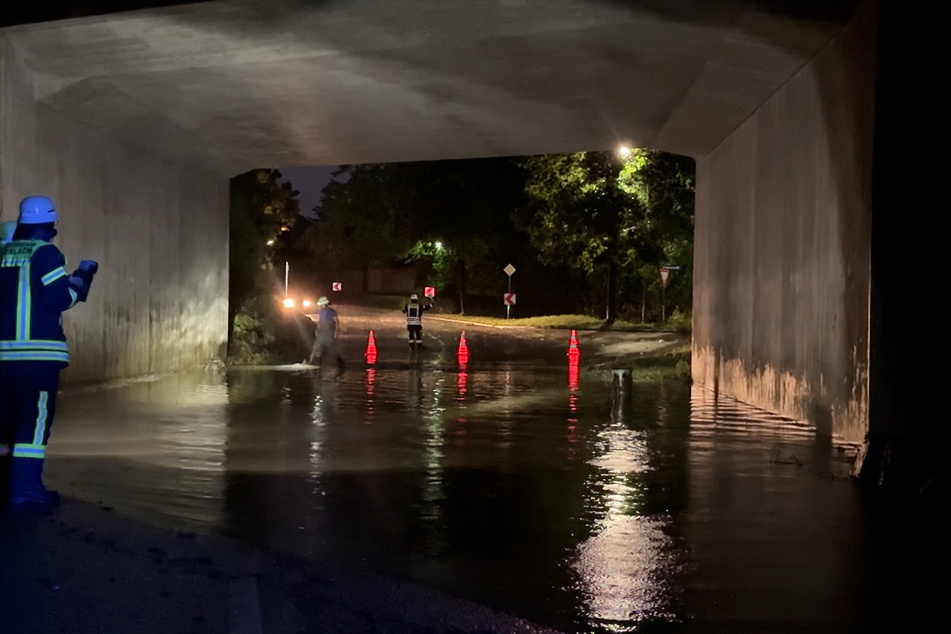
x=664, y=278
x=510, y=271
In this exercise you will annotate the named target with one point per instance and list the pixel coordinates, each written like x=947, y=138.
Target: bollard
x=621, y=385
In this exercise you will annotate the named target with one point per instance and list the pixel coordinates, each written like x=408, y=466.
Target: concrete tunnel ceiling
x=232, y=85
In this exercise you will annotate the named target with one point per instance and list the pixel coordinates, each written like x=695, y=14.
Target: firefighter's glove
x=88, y=267
x=80, y=286
x=81, y=279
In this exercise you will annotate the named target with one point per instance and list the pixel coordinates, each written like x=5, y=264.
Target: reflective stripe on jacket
x=34, y=292
x=414, y=313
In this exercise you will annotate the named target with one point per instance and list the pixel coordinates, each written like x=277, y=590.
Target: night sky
x=309, y=181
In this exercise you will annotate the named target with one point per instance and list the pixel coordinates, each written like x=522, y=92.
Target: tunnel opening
x=602, y=235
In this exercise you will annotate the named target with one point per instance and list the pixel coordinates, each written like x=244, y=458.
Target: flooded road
x=509, y=483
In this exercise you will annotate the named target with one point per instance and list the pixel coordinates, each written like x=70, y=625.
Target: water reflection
x=625, y=568
x=371, y=406
x=164, y=440
x=462, y=383
x=505, y=485
x=572, y=435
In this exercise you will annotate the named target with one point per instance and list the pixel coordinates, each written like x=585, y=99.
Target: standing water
x=517, y=486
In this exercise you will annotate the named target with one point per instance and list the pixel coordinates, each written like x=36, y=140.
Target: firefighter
x=34, y=291
x=414, y=320
x=328, y=327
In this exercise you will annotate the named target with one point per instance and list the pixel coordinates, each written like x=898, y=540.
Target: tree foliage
x=262, y=209
x=611, y=217
x=382, y=214
x=582, y=229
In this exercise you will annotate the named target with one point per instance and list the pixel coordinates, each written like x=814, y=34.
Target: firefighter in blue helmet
x=34, y=291
x=414, y=320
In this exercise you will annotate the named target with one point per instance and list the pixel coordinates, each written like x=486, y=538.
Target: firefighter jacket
x=414, y=313
x=34, y=292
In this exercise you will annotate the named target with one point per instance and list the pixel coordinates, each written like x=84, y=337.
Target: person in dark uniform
x=35, y=290
x=414, y=320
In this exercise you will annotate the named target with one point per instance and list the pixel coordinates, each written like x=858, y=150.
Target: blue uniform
x=325, y=344
x=34, y=291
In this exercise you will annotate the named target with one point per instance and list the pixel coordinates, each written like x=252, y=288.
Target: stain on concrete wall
x=159, y=232
x=783, y=239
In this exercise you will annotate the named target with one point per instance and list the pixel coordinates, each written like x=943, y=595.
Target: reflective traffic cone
x=574, y=352
x=463, y=351
x=371, y=352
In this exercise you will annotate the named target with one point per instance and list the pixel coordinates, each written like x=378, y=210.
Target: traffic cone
x=574, y=352
x=371, y=353
x=463, y=351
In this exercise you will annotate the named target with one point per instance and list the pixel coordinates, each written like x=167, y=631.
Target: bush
x=679, y=321
x=270, y=335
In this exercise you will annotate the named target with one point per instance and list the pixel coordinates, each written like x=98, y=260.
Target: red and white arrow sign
x=508, y=299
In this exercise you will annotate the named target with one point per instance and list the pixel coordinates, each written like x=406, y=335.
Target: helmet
x=413, y=298
x=37, y=210
x=6, y=231
x=323, y=301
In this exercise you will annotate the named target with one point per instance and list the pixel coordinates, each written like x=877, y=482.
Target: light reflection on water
x=506, y=485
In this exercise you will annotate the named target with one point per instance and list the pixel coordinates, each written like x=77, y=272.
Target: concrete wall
x=159, y=232
x=783, y=243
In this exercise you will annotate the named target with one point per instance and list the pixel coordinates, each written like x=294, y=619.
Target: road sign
x=337, y=286
x=429, y=291
x=509, y=270
x=508, y=299
x=664, y=276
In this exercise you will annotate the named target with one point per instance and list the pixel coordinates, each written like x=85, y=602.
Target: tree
x=398, y=211
x=664, y=184
x=595, y=211
x=579, y=215
x=262, y=209
x=364, y=221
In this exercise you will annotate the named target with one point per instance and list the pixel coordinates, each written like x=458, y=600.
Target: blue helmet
x=37, y=210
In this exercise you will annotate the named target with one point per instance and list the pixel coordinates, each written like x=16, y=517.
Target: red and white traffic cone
x=371, y=352
x=463, y=352
x=574, y=352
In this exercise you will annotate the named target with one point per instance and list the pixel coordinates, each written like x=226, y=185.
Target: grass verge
x=646, y=369
x=577, y=322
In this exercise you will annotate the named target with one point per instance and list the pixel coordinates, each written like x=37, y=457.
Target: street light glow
x=288, y=302
x=270, y=242
x=438, y=245
x=624, y=151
